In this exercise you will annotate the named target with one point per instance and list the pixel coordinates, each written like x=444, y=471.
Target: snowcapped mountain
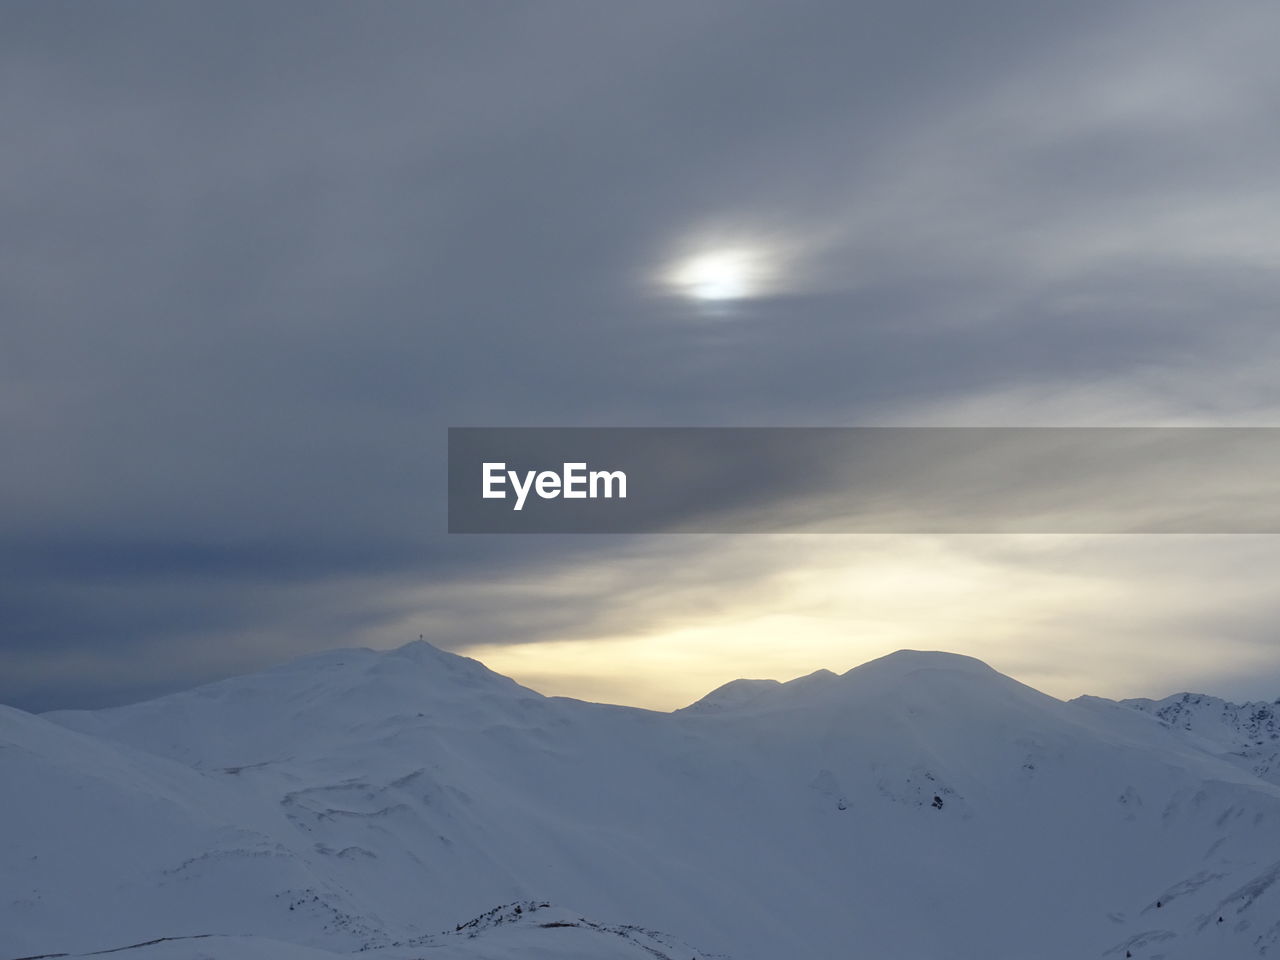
x=919, y=806
x=1247, y=734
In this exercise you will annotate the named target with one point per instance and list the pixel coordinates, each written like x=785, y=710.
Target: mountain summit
x=311, y=703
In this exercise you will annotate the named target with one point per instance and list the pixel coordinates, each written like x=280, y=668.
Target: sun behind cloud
x=725, y=273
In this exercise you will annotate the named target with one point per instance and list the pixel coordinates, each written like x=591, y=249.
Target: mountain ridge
x=357, y=799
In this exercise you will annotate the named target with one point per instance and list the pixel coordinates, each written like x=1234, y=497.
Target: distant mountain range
x=414, y=804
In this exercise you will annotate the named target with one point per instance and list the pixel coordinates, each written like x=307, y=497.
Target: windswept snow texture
x=919, y=806
x=518, y=931
x=1247, y=734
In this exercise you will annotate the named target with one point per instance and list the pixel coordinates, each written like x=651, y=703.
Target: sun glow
x=719, y=275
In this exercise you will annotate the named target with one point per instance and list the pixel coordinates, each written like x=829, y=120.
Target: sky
x=256, y=258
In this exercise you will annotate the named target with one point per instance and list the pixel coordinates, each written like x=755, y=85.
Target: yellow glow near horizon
x=832, y=612
x=658, y=627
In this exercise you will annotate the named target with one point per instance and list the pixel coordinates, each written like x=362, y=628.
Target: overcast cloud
x=256, y=258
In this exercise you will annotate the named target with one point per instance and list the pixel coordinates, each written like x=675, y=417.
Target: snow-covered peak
x=735, y=693
x=1247, y=734
x=324, y=698
x=896, y=670
x=423, y=659
x=907, y=675
x=1255, y=721
x=902, y=663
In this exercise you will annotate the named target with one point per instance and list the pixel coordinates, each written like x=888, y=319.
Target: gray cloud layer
x=256, y=259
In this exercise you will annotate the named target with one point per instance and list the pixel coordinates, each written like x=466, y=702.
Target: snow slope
x=919, y=806
x=519, y=931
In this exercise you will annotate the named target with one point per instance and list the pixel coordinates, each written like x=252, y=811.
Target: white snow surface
x=919, y=807
x=529, y=930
